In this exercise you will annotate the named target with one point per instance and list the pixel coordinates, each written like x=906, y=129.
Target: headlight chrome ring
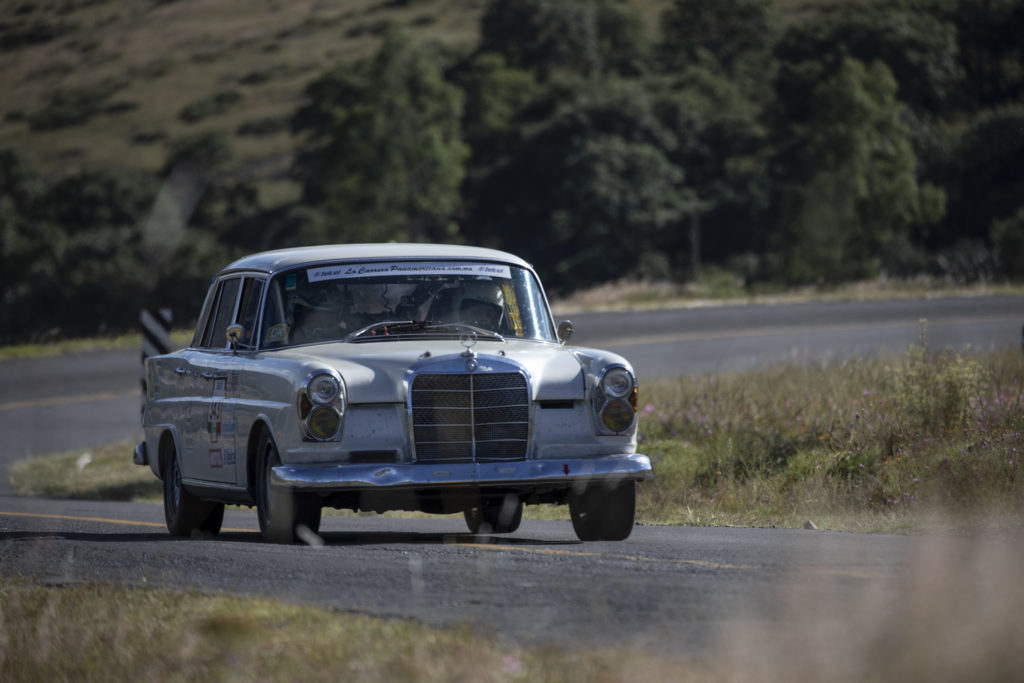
x=323, y=388
x=617, y=382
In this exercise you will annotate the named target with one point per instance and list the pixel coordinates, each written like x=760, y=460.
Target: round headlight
x=617, y=416
x=324, y=388
x=617, y=382
x=323, y=423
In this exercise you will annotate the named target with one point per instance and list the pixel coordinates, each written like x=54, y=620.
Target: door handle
x=180, y=371
x=209, y=375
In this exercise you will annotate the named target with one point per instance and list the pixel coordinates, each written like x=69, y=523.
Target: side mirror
x=565, y=331
x=235, y=333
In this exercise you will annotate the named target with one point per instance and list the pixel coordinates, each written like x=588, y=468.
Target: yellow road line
x=743, y=334
x=479, y=546
x=60, y=400
x=579, y=553
x=104, y=520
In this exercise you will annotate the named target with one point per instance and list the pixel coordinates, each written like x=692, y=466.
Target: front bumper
x=521, y=474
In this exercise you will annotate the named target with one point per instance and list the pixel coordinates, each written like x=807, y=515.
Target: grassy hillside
x=110, y=82
x=103, y=82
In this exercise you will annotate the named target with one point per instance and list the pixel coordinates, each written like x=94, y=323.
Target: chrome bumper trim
x=633, y=467
x=141, y=456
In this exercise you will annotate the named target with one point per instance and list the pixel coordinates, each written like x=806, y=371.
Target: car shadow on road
x=428, y=538
x=329, y=539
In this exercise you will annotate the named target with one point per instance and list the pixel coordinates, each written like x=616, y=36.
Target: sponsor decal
x=360, y=270
x=214, y=421
x=216, y=457
x=277, y=333
x=228, y=421
x=220, y=387
x=229, y=457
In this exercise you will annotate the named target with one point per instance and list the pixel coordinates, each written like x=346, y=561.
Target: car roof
x=283, y=259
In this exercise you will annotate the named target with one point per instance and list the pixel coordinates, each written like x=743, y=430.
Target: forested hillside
x=144, y=144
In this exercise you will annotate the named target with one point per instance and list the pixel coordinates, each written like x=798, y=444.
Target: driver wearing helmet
x=482, y=304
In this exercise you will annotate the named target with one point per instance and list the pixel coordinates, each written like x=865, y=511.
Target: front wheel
x=501, y=516
x=185, y=513
x=602, y=513
x=281, y=512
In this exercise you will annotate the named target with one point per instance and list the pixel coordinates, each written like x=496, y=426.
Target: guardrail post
x=156, y=338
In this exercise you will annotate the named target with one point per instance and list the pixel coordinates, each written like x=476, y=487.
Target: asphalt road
x=678, y=587
x=662, y=587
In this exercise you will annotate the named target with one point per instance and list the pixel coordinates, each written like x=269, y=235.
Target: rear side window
x=222, y=313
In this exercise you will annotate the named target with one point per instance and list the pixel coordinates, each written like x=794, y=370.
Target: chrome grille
x=470, y=417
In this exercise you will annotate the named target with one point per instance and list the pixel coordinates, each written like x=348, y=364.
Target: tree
x=720, y=143
x=1008, y=237
x=991, y=52
x=71, y=252
x=734, y=38
x=582, y=37
x=984, y=174
x=382, y=150
x=913, y=40
x=589, y=195
x=851, y=190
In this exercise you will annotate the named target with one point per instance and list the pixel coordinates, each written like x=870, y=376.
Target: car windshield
x=388, y=301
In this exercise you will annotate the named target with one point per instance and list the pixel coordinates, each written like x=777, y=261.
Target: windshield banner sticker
x=357, y=270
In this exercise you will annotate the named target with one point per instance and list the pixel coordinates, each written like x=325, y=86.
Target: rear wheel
x=497, y=516
x=281, y=511
x=185, y=513
x=603, y=513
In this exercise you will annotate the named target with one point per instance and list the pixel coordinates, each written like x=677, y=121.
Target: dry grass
x=720, y=287
x=864, y=446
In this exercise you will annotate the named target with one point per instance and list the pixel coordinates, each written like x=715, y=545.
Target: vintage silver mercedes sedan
x=389, y=377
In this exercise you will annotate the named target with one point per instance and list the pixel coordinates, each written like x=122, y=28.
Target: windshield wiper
x=479, y=331
x=394, y=327
x=388, y=327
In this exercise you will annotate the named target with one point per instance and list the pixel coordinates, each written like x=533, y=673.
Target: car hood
x=376, y=372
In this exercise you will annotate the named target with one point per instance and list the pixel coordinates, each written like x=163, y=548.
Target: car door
x=210, y=439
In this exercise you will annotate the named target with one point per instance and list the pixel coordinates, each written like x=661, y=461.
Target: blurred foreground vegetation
x=932, y=439
x=779, y=143
x=951, y=614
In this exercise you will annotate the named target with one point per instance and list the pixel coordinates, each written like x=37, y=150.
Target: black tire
x=495, y=517
x=281, y=512
x=185, y=513
x=603, y=513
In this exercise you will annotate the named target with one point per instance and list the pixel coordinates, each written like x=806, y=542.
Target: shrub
x=265, y=126
x=75, y=106
x=939, y=391
x=214, y=105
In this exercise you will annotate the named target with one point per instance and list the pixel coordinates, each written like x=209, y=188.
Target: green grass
x=898, y=445
x=179, y=338
x=105, y=473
